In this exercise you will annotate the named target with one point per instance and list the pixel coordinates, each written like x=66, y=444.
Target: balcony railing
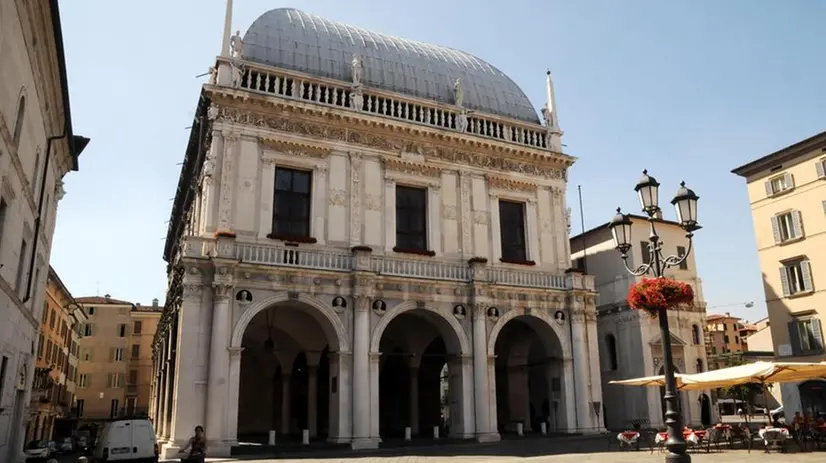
x=271, y=81
x=342, y=261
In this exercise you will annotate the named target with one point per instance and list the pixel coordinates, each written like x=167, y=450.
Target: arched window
x=699, y=365
x=695, y=334
x=611, y=346
x=18, y=124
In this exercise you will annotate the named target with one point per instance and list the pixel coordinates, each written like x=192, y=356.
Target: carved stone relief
x=410, y=168
x=510, y=184
x=480, y=217
x=372, y=202
x=295, y=149
x=449, y=212
x=464, y=182
x=338, y=197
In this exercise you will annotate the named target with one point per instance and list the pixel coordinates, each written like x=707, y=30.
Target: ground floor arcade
x=361, y=371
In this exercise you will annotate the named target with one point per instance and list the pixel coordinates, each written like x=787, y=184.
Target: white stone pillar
x=582, y=364
x=567, y=407
x=355, y=200
x=341, y=396
x=434, y=206
x=361, y=374
x=320, y=198
x=286, y=415
x=375, y=362
x=480, y=374
x=414, y=396
x=312, y=400
x=532, y=227
x=389, y=214
x=228, y=185
x=495, y=230
x=267, y=199
x=234, y=390
x=217, y=390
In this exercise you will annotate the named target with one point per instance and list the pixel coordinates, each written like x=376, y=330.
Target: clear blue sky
x=687, y=89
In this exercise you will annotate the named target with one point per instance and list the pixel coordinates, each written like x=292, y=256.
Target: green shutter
x=794, y=337
x=817, y=332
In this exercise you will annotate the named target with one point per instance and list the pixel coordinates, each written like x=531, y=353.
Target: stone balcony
x=279, y=255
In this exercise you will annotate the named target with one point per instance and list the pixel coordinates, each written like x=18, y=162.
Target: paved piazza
x=532, y=450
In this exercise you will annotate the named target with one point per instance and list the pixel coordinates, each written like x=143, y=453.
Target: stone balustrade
x=419, y=268
x=273, y=81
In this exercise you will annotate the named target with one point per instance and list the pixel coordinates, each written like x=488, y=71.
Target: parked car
x=126, y=440
x=40, y=450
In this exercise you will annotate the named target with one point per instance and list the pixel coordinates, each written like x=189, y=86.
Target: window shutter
x=821, y=168
x=806, y=270
x=824, y=207
x=797, y=222
x=769, y=190
x=817, y=332
x=794, y=337
x=788, y=180
x=776, y=229
x=784, y=282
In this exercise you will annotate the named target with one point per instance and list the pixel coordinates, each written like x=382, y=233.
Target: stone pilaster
x=217, y=385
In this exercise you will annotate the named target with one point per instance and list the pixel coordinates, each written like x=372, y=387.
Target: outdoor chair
x=713, y=438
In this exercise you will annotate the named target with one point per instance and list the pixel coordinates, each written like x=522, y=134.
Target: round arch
x=456, y=327
x=537, y=314
x=338, y=341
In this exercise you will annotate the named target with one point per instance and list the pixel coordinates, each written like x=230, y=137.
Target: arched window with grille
x=18, y=123
x=695, y=334
x=611, y=347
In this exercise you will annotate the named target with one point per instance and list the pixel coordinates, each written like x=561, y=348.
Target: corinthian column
x=217, y=391
x=481, y=391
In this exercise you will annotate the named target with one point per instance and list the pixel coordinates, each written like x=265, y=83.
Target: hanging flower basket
x=651, y=294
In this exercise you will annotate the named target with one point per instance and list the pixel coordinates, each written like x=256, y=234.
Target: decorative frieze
x=449, y=212
x=294, y=148
x=387, y=142
x=355, y=199
x=372, y=202
x=338, y=197
x=510, y=184
x=410, y=168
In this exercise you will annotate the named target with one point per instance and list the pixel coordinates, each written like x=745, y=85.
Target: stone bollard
x=272, y=436
x=407, y=433
x=543, y=428
x=520, y=429
x=305, y=437
x=435, y=432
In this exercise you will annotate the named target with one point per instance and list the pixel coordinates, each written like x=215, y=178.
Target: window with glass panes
x=291, y=215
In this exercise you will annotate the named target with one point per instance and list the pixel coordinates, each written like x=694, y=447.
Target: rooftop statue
x=237, y=45
x=358, y=70
x=458, y=93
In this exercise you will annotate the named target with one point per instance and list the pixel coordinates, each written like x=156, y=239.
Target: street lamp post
x=685, y=204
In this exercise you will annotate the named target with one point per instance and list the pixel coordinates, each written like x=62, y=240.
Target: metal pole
x=675, y=443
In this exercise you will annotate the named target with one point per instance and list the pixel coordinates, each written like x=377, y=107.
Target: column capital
x=235, y=352
x=222, y=291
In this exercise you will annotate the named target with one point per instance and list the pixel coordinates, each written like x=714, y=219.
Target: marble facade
x=338, y=331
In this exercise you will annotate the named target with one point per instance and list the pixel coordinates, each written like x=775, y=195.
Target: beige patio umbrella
x=652, y=381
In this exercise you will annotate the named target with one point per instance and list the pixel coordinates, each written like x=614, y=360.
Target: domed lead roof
x=291, y=39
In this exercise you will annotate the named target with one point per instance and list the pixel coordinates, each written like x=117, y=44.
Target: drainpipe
x=45, y=175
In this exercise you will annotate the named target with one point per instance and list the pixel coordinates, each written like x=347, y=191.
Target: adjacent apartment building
x=787, y=195
x=724, y=344
x=37, y=148
x=54, y=386
x=115, y=372
x=629, y=342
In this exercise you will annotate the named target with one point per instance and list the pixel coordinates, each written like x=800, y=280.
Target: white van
x=127, y=440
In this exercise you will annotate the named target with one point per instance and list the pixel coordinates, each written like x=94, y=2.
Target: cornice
x=307, y=119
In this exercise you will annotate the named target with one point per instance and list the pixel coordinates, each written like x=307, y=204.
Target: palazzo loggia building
x=370, y=238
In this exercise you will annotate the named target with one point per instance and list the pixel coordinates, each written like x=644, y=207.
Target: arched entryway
x=423, y=375
x=529, y=376
x=813, y=397
x=288, y=371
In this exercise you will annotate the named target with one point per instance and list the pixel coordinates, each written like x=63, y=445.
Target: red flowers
x=650, y=294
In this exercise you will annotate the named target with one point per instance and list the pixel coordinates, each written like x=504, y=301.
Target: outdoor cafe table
x=687, y=433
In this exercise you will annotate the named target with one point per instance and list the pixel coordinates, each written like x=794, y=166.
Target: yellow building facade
x=115, y=371
x=787, y=194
